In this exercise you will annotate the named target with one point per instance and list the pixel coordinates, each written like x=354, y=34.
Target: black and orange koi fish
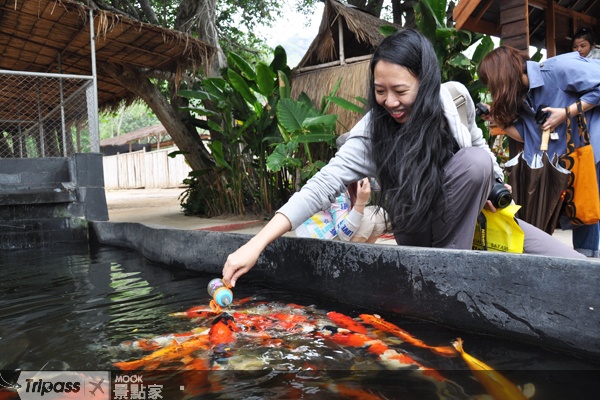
x=380, y=323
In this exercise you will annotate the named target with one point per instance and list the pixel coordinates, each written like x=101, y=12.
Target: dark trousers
x=468, y=181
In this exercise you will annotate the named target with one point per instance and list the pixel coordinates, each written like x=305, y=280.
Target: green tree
x=126, y=119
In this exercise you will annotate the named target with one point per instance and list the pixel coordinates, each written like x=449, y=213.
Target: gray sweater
x=353, y=161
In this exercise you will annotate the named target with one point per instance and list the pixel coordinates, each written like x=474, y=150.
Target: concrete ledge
x=232, y=227
x=29, y=233
x=545, y=301
x=37, y=196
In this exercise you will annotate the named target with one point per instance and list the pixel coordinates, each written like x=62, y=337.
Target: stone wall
x=49, y=200
x=546, y=301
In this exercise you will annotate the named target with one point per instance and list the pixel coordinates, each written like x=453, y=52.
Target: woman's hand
x=510, y=131
x=488, y=204
x=239, y=262
x=488, y=116
x=243, y=259
x=363, y=191
x=556, y=117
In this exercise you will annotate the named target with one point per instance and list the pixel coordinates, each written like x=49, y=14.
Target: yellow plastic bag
x=499, y=231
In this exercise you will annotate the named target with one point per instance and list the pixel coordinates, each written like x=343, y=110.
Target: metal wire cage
x=48, y=115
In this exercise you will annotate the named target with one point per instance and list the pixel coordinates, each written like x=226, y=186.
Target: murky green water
x=67, y=308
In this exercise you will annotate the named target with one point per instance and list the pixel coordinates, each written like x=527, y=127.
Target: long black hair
x=409, y=157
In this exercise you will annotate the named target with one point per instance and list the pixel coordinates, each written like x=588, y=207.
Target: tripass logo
x=8, y=382
x=55, y=385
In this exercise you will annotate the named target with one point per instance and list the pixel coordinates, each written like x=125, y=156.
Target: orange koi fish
x=157, y=342
x=194, y=312
x=347, y=322
x=495, y=383
x=395, y=330
x=9, y=394
x=349, y=392
x=288, y=322
x=223, y=330
x=171, y=353
x=387, y=356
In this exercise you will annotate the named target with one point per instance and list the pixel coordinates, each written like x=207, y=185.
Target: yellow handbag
x=581, y=200
x=499, y=231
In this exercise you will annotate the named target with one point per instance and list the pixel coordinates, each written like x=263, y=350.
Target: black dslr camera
x=480, y=109
x=500, y=196
x=541, y=116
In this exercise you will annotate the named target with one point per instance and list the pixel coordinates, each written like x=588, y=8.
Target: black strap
x=582, y=124
x=482, y=230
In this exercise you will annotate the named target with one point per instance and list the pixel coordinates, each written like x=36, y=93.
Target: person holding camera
x=350, y=218
x=435, y=173
x=521, y=89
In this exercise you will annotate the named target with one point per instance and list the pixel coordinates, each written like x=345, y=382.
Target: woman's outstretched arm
x=244, y=258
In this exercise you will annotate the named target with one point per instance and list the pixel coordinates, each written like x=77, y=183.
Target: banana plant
x=239, y=111
x=301, y=124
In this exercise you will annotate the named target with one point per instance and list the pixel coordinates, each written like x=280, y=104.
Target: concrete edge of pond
x=546, y=301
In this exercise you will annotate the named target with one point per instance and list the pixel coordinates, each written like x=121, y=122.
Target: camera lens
x=500, y=196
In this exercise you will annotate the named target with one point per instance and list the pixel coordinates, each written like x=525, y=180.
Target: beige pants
x=372, y=225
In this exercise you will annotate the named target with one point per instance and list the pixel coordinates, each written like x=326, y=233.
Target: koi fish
x=494, y=383
x=8, y=394
x=158, y=342
x=395, y=330
x=194, y=312
x=386, y=355
x=347, y=322
x=289, y=322
x=172, y=353
x=204, y=312
x=349, y=392
x=223, y=330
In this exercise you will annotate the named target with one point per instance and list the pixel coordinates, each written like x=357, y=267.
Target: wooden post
x=341, y=38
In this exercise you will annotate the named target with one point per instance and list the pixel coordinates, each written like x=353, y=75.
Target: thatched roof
x=34, y=34
x=324, y=63
x=360, y=35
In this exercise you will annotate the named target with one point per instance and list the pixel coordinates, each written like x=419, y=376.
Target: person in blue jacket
x=520, y=86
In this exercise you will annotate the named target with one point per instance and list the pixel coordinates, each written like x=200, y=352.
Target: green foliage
x=240, y=113
x=301, y=123
x=262, y=141
x=126, y=119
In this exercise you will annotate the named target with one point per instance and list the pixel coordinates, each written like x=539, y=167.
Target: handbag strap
x=582, y=128
x=570, y=144
x=582, y=124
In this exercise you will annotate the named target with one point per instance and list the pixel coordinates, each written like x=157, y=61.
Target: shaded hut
x=342, y=48
x=47, y=61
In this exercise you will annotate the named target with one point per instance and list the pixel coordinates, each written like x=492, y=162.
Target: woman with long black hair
x=435, y=173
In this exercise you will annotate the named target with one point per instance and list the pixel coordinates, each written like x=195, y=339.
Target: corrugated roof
x=135, y=135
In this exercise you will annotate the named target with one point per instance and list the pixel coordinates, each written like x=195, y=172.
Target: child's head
x=583, y=41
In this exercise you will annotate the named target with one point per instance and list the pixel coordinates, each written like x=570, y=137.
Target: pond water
x=72, y=308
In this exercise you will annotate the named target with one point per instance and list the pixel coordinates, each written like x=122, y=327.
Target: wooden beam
x=463, y=11
x=543, y=5
x=341, y=39
x=550, y=29
x=485, y=27
x=514, y=21
x=332, y=64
